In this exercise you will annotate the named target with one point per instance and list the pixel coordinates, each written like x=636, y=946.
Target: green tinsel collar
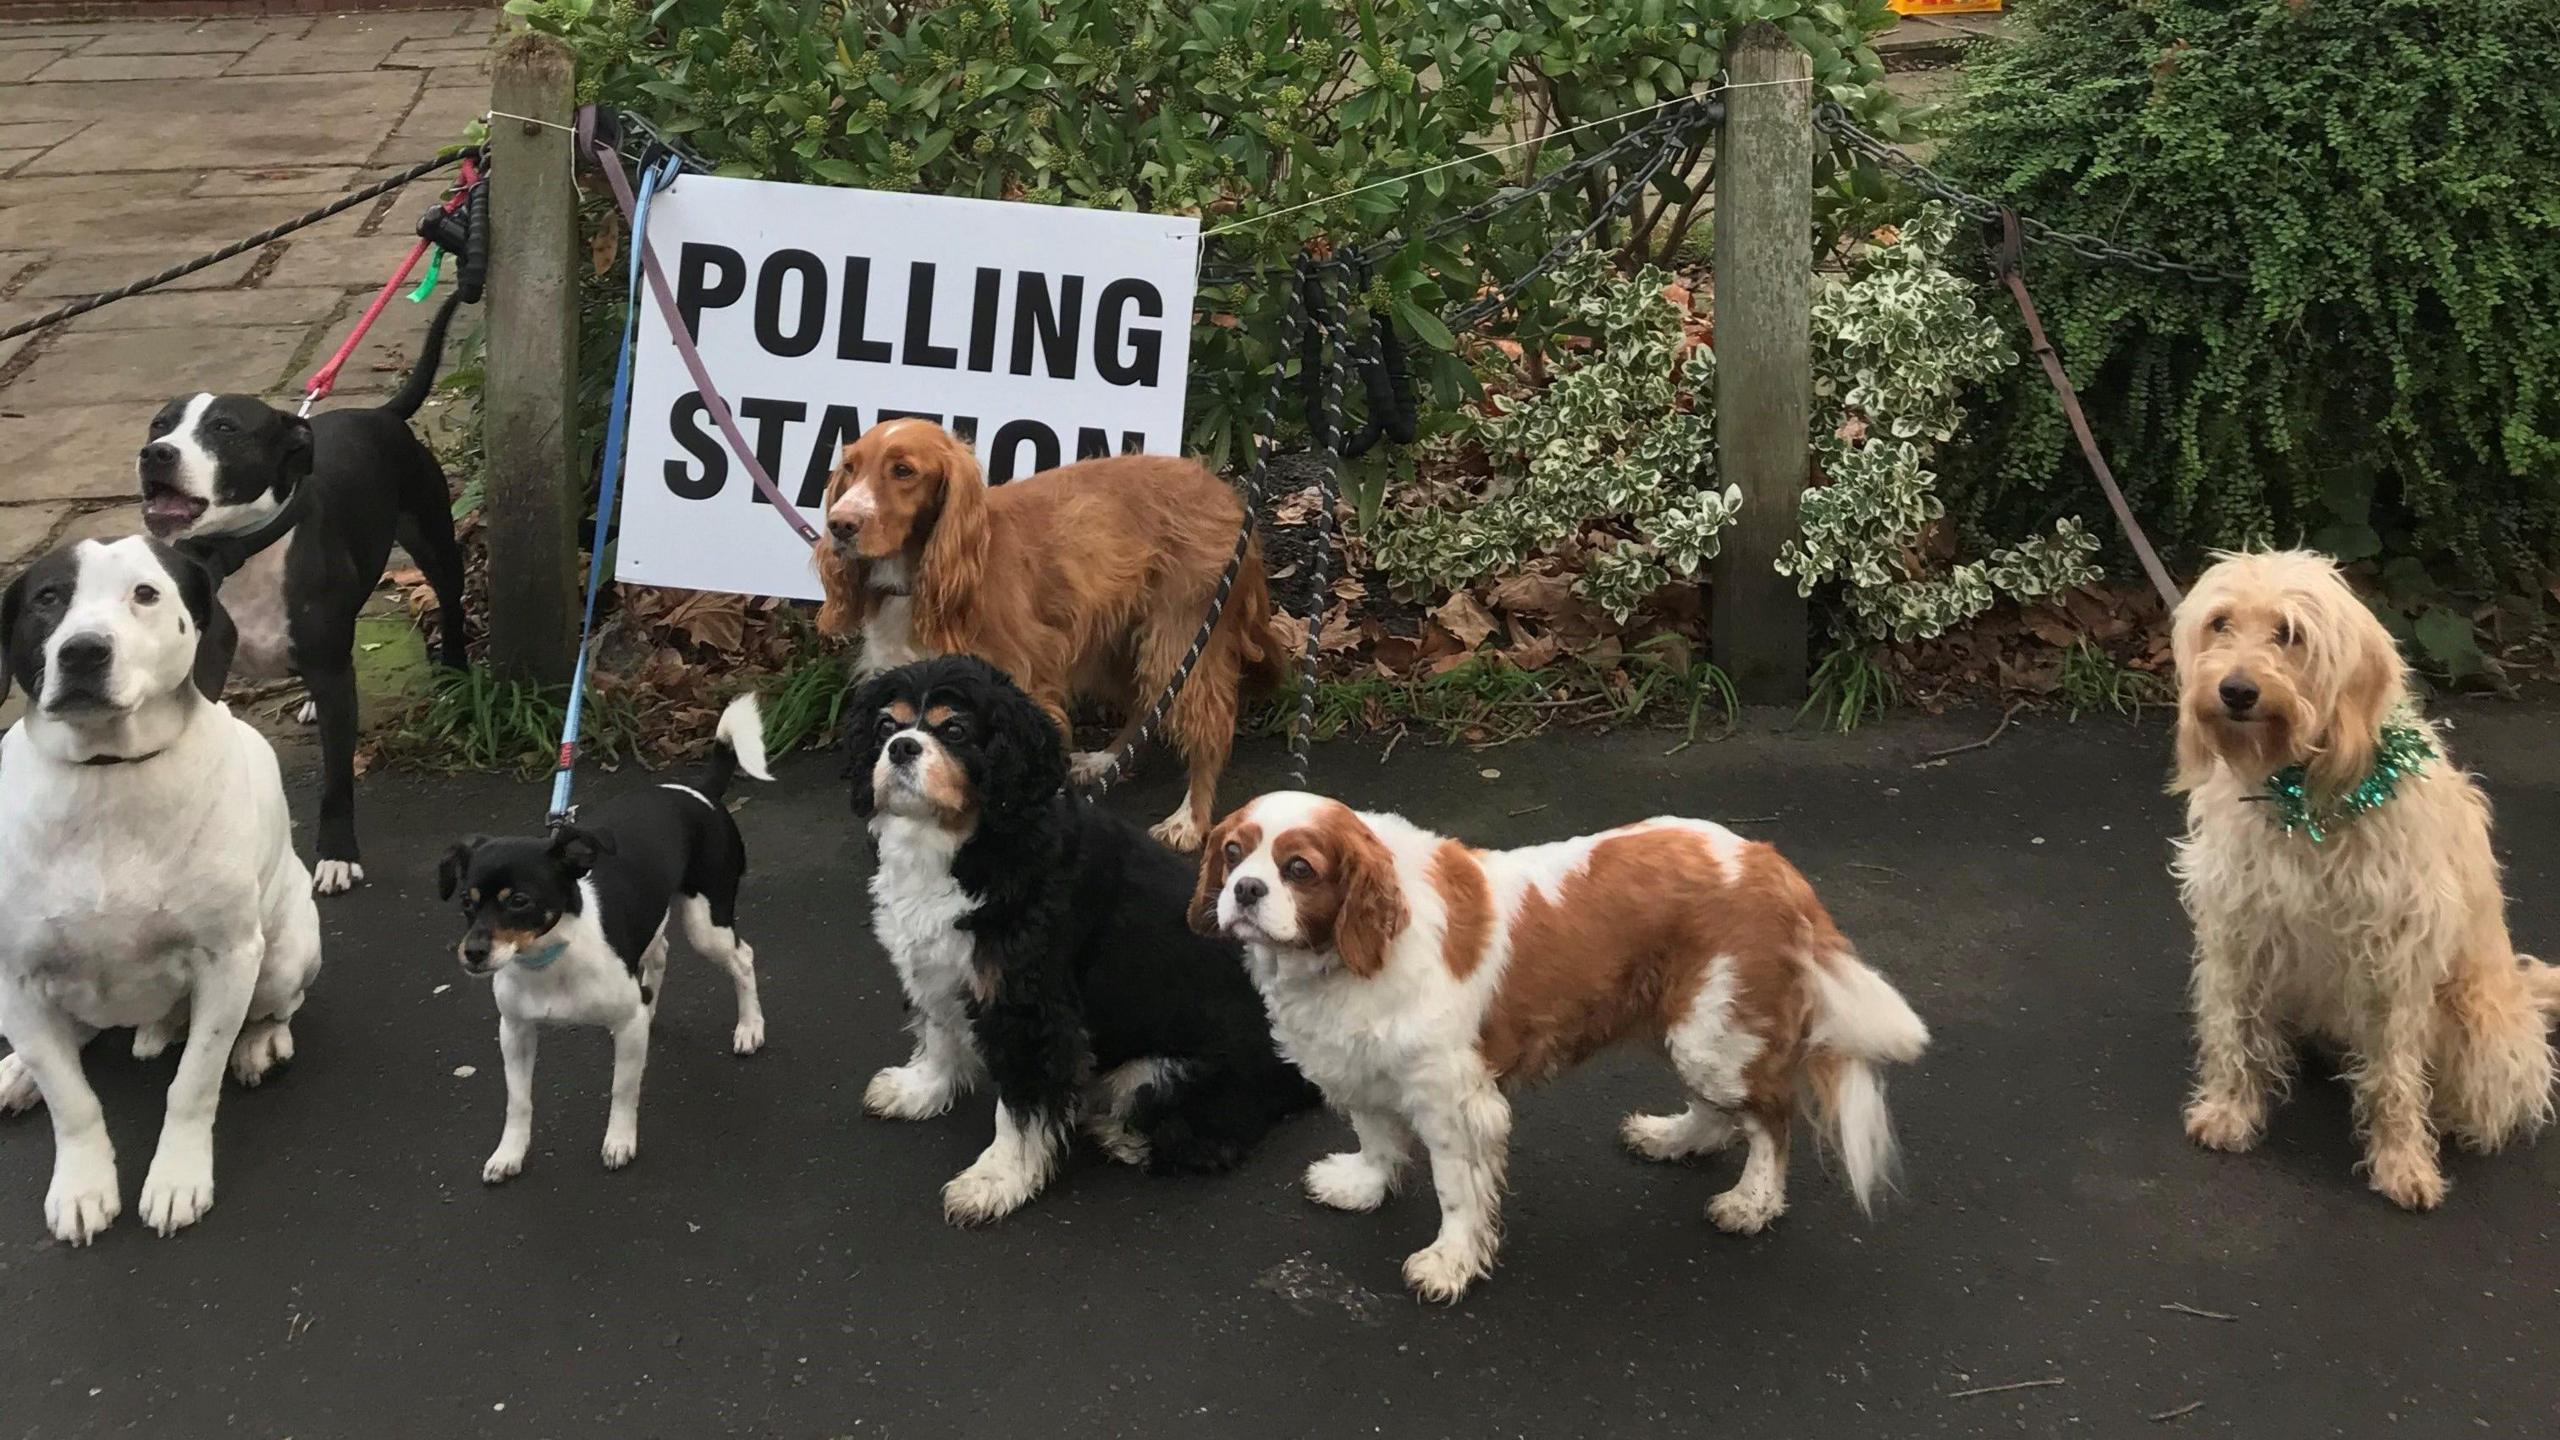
x=2403, y=750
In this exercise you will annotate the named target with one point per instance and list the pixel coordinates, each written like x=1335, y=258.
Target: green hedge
x=1232, y=110
x=2385, y=174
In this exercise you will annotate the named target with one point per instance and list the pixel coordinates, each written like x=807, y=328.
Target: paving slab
x=346, y=262
x=12, y=159
x=112, y=523
x=74, y=452
x=87, y=272
x=288, y=180
x=24, y=528
x=37, y=134
x=212, y=125
x=135, y=222
x=314, y=56
x=141, y=366
x=182, y=38
x=218, y=309
x=132, y=67
x=460, y=77
x=16, y=65
x=401, y=25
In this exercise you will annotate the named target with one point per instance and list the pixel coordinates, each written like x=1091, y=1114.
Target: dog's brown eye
x=145, y=595
x=1234, y=853
x=903, y=470
x=1298, y=870
x=2286, y=634
x=2219, y=625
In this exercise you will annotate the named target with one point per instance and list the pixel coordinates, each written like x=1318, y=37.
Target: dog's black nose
x=1249, y=893
x=843, y=530
x=2239, y=695
x=84, y=655
x=904, y=750
x=159, y=455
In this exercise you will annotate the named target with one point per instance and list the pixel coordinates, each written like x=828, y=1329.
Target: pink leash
x=325, y=379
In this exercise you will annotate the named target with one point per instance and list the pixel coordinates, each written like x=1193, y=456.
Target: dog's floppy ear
x=1213, y=875
x=10, y=601
x=2368, y=679
x=580, y=849
x=449, y=870
x=1373, y=909
x=217, y=639
x=296, y=465
x=860, y=735
x=1026, y=752
x=955, y=554
x=838, y=573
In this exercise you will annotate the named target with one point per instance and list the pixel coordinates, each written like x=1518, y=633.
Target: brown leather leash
x=2008, y=258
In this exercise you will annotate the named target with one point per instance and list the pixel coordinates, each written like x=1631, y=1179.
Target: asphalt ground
x=775, y=1263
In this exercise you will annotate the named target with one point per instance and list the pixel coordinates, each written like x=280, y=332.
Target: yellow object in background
x=1944, y=7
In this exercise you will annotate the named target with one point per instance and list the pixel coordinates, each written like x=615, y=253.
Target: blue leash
x=608, y=487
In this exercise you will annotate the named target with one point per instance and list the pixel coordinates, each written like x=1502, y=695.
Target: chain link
x=1834, y=121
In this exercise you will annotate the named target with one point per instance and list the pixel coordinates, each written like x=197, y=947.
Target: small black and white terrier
x=1044, y=944
x=574, y=927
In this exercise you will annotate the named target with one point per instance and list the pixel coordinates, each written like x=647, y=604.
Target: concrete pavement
x=127, y=146
x=775, y=1263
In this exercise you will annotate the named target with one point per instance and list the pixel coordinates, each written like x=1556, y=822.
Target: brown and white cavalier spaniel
x=1083, y=582
x=1415, y=978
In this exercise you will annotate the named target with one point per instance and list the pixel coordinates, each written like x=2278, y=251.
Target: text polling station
x=1045, y=334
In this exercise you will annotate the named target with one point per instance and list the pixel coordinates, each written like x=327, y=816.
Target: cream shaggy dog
x=2386, y=939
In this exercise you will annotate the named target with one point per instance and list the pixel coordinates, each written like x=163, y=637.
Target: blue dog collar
x=541, y=959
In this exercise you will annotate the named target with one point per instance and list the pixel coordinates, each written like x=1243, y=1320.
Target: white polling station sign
x=1049, y=334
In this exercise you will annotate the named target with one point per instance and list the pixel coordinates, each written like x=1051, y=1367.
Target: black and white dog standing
x=1045, y=945
x=300, y=515
x=573, y=928
x=150, y=868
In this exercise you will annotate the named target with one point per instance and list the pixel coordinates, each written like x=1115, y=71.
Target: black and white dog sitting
x=150, y=868
x=1043, y=943
x=574, y=927
x=300, y=515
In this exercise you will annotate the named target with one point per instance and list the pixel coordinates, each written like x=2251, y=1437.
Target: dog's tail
x=422, y=376
x=1260, y=643
x=1860, y=1022
x=737, y=748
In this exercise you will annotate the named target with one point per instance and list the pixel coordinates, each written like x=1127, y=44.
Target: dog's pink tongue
x=164, y=513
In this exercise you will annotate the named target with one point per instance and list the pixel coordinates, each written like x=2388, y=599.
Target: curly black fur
x=1080, y=921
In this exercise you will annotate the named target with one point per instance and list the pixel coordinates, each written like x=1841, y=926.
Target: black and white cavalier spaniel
x=1044, y=945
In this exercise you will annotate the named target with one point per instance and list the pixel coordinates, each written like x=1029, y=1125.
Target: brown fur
x=1351, y=902
x=1085, y=581
x=1467, y=901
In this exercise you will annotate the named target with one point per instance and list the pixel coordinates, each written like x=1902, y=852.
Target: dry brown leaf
x=1533, y=594
x=1465, y=617
x=1534, y=652
x=602, y=249
x=1340, y=634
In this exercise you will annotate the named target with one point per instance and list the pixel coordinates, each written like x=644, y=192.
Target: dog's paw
x=82, y=1201
x=2408, y=1177
x=1116, y=1139
x=152, y=1041
x=179, y=1188
x=748, y=1038
x=1088, y=766
x=306, y=713
x=1746, y=1209
x=1442, y=1272
x=507, y=1162
x=619, y=1148
x=903, y=1092
x=18, y=1090
x=335, y=877
x=263, y=1045
x=1347, y=1182
x=2222, y=1125
x=1178, y=831
x=986, y=1192
x=1672, y=1137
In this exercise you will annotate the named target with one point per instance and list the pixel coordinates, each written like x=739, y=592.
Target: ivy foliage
x=1304, y=124
x=2383, y=382
x=1612, y=463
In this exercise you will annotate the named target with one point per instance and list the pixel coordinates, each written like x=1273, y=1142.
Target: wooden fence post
x=528, y=407
x=1764, y=357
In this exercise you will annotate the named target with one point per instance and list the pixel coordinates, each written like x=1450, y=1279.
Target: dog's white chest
x=916, y=909
x=889, y=634
x=255, y=598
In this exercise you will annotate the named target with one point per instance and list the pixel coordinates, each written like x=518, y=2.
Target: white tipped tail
x=742, y=730
x=1860, y=1022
